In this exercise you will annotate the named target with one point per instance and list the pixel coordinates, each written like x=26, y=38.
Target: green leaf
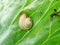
x=43, y=32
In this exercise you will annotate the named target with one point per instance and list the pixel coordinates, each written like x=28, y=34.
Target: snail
x=25, y=22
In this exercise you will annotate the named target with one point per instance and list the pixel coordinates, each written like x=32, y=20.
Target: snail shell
x=25, y=22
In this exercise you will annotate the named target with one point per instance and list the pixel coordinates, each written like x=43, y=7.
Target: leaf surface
x=43, y=32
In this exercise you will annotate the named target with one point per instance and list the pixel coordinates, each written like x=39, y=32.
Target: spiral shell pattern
x=25, y=22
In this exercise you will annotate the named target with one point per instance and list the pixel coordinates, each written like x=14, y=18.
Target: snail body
x=25, y=22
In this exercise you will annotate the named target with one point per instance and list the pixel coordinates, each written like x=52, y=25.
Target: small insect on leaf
x=55, y=13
